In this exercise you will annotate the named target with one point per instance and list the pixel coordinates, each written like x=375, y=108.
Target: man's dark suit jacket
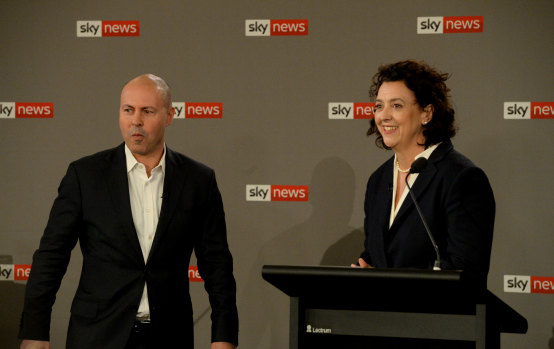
x=457, y=201
x=93, y=207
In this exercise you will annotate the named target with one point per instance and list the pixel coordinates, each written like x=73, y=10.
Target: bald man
x=138, y=212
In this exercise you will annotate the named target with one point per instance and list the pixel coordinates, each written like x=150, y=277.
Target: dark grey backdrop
x=275, y=129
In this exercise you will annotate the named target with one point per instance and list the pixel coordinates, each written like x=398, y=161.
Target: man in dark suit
x=138, y=211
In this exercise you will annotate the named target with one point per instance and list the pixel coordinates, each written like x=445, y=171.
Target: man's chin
x=137, y=149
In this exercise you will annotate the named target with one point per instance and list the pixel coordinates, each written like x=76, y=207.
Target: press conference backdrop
x=272, y=94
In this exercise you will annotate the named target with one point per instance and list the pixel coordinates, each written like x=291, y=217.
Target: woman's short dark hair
x=429, y=88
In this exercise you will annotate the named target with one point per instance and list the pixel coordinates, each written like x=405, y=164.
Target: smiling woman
x=429, y=89
x=400, y=120
x=414, y=118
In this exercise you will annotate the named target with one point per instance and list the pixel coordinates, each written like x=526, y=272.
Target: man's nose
x=136, y=120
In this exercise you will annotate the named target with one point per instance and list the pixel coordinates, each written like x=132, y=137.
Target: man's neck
x=150, y=161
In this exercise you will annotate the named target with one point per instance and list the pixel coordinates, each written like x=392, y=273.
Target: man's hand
x=362, y=264
x=222, y=345
x=31, y=344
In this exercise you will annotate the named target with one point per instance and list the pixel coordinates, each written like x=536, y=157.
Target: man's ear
x=170, y=115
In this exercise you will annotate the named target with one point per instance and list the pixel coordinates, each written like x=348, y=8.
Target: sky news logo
x=14, y=272
x=348, y=110
x=194, y=276
x=528, y=110
x=195, y=110
x=449, y=25
x=20, y=272
x=98, y=29
x=528, y=284
x=276, y=27
x=26, y=110
x=266, y=192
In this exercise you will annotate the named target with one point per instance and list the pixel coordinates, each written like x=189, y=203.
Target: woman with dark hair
x=414, y=118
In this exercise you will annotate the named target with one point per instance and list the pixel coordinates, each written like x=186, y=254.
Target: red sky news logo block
x=194, y=276
x=528, y=284
x=449, y=25
x=194, y=110
x=20, y=272
x=266, y=192
x=14, y=272
x=528, y=110
x=348, y=110
x=97, y=29
x=276, y=27
x=26, y=110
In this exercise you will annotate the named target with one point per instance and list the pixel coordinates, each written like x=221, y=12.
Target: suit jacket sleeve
x=215, y=265
x=470, y=211
x=51, y=259
x=377, y=205
x=368, y=210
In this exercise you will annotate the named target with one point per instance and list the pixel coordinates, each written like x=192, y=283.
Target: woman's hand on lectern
x=362, y=264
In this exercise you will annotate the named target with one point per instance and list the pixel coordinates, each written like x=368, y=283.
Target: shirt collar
x=132, y=162
x=424, y=154
x=427, y=152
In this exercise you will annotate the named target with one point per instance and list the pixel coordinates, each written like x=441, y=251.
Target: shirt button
x=150, y=237
x=148, y=210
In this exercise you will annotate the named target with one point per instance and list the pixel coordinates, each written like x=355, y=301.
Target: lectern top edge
x=345, y=271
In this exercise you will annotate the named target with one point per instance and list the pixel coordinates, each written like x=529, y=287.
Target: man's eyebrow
x=142, y=108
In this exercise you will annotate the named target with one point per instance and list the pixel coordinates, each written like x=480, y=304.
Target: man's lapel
x=119, y=191
x=174, y=180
